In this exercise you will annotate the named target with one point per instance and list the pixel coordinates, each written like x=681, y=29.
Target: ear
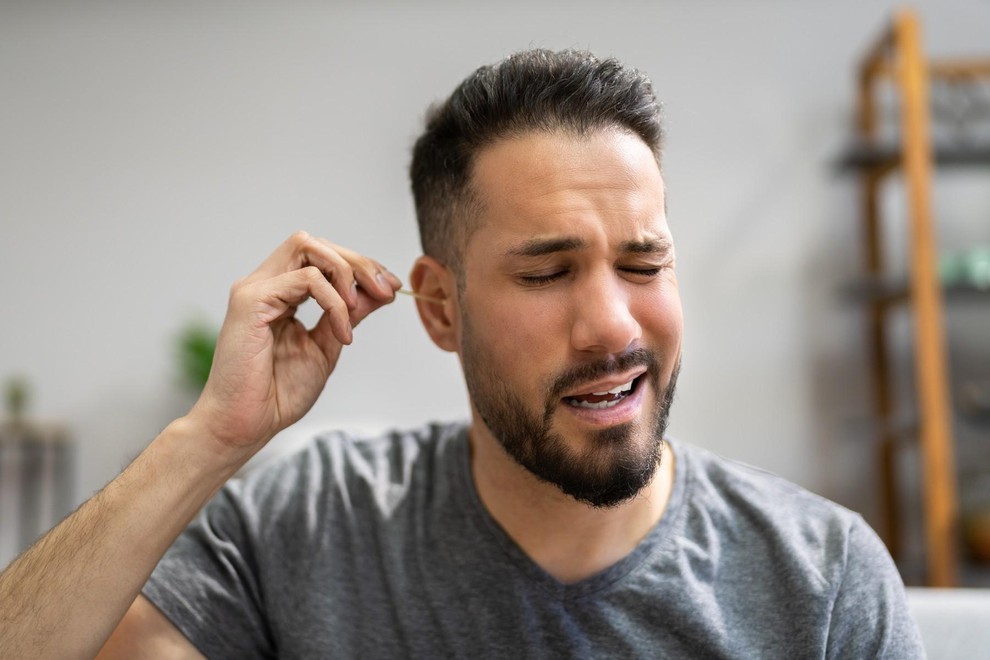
x=441, y=317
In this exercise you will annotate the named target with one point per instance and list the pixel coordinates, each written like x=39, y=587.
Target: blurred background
x=153, y=153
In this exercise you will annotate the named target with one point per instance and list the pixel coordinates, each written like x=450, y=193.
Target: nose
x=603, y=321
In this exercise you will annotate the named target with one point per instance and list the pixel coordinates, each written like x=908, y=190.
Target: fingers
x=372, y=277
x=345, y=269
x=267, y=301
x=347, y=285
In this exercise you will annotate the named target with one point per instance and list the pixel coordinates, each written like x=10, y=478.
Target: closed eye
x=539, y=280
x=647, y=272
x=643, y=273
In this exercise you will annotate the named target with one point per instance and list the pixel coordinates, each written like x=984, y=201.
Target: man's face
x=571, y=320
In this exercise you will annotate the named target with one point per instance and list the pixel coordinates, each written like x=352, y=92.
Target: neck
x=568, y=539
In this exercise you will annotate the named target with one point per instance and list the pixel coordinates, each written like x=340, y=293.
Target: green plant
x=196, y=343
x=16, y=395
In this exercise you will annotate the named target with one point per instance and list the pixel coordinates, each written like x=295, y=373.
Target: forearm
x=64, y=596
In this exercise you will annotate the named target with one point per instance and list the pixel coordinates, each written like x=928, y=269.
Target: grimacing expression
x=571, y=324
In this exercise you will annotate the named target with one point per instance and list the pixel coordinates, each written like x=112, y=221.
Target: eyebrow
x=656, y=245
x=539, y=247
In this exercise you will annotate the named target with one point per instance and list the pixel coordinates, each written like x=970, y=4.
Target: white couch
x=954, y=623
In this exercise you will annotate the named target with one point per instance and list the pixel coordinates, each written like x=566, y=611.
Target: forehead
x=546, y=185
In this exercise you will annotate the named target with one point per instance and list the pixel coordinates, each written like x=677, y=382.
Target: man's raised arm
x=64, y=596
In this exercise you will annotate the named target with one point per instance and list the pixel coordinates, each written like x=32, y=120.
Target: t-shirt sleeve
x=207, y=583
x=870, y=616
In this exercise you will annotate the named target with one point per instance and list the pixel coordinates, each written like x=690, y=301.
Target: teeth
x=598, y=406
x=616, y=390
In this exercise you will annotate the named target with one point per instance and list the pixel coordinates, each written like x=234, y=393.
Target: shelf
x=859, y=157
x=896, y=60
x=973, y=574
x=891, y=292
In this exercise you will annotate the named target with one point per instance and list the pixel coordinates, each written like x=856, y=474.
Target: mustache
x=638, y=357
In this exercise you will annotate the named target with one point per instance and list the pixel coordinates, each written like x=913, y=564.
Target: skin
x=76, y=592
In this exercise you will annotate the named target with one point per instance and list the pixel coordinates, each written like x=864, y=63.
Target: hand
x=268, y=369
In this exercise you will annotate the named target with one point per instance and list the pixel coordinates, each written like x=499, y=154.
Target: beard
x=616, y=465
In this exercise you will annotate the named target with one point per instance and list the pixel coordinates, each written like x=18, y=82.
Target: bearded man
x=558, y=522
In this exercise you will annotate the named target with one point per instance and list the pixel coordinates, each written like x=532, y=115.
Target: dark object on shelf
x=976, y=531
x=974, y=399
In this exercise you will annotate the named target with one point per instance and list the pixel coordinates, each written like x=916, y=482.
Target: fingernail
x=354, y=294
x=383, y=284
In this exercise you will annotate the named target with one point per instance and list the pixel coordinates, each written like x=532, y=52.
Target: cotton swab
x=414, y=294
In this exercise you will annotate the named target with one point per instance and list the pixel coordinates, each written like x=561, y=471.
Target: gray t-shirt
x=381, y=548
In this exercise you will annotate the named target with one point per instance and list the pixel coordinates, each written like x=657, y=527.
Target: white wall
x=150, y=154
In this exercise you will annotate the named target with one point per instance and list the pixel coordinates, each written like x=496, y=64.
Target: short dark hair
x=533, y=90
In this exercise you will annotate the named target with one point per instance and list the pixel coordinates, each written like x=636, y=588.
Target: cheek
x=520, y=336
x=662, y=320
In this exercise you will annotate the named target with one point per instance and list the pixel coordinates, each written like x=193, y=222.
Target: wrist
x=194, y=440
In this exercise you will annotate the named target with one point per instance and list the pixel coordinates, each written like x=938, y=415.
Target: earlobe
x=432, y=279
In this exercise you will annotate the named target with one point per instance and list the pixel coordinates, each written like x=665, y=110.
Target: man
x=558, y=523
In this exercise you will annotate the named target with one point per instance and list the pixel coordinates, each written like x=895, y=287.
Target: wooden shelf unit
x=897, y=61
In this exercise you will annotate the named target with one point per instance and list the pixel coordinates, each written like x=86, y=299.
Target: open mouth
x=608, y=399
